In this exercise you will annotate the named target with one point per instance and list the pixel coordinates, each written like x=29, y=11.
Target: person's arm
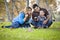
x=45, y=21
x=21, y=17
x=47, y=17
x=26, y=16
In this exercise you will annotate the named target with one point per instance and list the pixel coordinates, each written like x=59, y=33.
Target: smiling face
x=29, y=11
x=42, y=13
x=36, y=9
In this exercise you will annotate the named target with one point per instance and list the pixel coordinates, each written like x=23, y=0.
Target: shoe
x=3, y=26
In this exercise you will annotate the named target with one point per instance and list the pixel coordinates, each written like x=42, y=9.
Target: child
x=41, y=18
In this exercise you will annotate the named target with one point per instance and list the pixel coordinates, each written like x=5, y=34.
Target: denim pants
x=40, y=23
x=17, y=25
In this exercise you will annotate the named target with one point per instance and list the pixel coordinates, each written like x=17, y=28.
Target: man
x=35, y=14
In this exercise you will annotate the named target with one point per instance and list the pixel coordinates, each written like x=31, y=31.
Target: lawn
x=52, y=33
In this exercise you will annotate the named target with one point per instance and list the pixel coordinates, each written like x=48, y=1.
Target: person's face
x=37, y=9
x=42, y=13
x=29, y=11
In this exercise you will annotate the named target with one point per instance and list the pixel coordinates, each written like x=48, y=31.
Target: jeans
x=40, y=23
x=17, y=25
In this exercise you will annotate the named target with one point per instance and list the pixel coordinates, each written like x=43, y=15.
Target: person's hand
x=45, y=22
x=26, y=16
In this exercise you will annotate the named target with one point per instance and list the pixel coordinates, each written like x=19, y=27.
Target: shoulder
x=21, y=13
x=43, y=9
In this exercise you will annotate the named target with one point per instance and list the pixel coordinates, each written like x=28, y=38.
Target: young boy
x=41, y=18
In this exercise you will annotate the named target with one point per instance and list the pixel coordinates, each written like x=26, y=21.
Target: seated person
x=41, y=19
x=22, y=20
x=48, y=20
x=35, y=14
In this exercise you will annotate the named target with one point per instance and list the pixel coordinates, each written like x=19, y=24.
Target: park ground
x=52, y=33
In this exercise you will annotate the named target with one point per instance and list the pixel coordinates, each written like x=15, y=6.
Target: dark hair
x=35, y=5
x=45, y=11
x=29, y=8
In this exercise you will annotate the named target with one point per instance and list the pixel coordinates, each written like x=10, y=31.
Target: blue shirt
x=19, y=18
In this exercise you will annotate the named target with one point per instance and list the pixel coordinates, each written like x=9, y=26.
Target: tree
x=27, y=3
x=7, y=10
x=13, y=6
x=50, y=10
x=37, y=2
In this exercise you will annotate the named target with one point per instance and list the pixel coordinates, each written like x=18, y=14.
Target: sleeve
x=21, y=17
x=46, y=12
x=33, y=15
x=30, y=20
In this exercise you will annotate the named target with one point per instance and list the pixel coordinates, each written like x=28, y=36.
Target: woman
x=22, y=20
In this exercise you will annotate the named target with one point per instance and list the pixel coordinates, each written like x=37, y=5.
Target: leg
x=14, y=25
x=26, y=25
x=49, y=23
x=34, y=23
x=39, y=24
x=31, y=21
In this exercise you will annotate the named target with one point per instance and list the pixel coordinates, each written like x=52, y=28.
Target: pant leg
x=41, y=20
x=35, y=23
x=14, y=25
x=8, y=26
x=39, y=24
x=31, y=21
x=49, y=23
x=26, y=25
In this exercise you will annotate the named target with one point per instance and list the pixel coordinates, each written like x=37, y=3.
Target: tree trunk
x=7, y=10
x=13, y=6
x=37, y=2
x=50, y=11
x=27, y=3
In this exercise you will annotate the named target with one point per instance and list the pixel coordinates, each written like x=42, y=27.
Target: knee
x=49, y=23
x=15, y=25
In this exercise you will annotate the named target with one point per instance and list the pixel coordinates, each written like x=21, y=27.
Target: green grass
x=52, y=33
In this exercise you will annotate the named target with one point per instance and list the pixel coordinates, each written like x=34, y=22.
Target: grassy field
x=52, y=33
